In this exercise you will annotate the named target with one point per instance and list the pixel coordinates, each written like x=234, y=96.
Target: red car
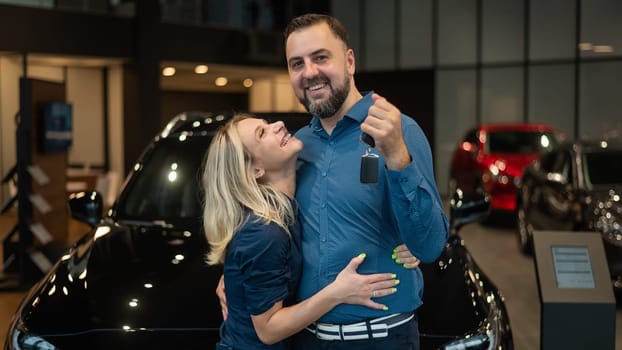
x=491, y=158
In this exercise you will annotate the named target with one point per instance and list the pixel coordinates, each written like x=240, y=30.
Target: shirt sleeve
x=415, y=202
x=263, y=251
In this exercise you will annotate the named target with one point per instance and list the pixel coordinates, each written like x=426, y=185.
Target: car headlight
x=21, y=339
x=479, y=341
x=487, y=337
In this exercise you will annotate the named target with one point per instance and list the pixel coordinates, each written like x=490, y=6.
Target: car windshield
x=167, y=187
x=603, y=168
x=520, y=141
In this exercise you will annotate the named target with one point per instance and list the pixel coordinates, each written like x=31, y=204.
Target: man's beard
x=329, y=107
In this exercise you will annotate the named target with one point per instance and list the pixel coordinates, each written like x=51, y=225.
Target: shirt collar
x=358, y=112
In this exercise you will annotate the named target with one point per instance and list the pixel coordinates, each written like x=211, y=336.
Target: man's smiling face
x=320, y=69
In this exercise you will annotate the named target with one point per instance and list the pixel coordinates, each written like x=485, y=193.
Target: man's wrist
x=400, y=161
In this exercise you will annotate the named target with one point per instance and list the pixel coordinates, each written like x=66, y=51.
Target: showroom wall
x=84, y=88
x=97, y=149
x=10, y=71
x=499, y=61
x=492, y=61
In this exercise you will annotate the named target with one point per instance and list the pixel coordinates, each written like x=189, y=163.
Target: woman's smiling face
x=271, y=146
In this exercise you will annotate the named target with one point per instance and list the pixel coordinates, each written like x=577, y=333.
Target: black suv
x=138, y=279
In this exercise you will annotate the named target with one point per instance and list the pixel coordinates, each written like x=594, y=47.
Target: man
x=342, y=216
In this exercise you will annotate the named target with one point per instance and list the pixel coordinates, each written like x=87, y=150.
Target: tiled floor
x=514, y=274
x=9, y=300
x=8, y=303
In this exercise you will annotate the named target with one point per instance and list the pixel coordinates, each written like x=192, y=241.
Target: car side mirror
x=87, y=207
x=466, y=208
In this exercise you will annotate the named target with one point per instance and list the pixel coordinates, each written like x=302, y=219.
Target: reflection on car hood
x=132, y=278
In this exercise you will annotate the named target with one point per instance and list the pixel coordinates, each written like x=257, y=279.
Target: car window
x=561, y=165
x=550, y=161
x=520, y=141
x=168, y=186
x=603, y=168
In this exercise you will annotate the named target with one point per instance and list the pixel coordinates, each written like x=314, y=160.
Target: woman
x=250, y=223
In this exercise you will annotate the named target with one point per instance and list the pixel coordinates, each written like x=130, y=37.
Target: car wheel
x=524, y=230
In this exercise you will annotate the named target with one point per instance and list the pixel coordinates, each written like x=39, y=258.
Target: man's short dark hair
x=311, y=19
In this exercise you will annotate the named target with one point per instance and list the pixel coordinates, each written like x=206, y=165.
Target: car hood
x=510, y=164
x=132, y=277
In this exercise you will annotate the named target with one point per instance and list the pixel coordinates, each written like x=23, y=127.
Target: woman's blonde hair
x=232, y=192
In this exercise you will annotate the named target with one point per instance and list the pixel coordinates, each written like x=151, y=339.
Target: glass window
x=603, y=168
x=502, y=31
x=166, y=187
x=502, y=95
x=552, y=29
x=601, y=28
x=549, y=160
x=415, y=33
x=379, y=37
x=600, y=100
x=457, y=30
x=349, y=13
x=455, y=114
x=519, y=142
x=551, y=96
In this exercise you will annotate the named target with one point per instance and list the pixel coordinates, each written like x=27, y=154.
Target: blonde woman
x=250, y=220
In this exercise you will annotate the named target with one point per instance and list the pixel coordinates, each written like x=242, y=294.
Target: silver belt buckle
x=382, y=328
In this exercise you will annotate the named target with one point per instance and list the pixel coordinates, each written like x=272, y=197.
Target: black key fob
x=369, y=168
x=368, y=140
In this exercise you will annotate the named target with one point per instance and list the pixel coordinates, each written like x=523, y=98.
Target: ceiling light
x=585, y=46
x=168, y=71
x=603, y=48
x=201, y=69
x=248, y=82
x=221, y=81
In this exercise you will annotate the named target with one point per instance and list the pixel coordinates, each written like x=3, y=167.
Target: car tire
x=524, y=231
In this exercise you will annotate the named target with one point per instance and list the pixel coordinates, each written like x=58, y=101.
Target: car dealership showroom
x=107, y=108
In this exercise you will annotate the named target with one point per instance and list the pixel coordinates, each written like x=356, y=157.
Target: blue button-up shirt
x=342, y=218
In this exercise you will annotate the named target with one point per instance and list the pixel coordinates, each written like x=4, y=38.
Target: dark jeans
x=402, y=337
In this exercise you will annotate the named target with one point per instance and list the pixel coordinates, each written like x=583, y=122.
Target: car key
x=368, y=140
x=369, y=167
x=369, y=161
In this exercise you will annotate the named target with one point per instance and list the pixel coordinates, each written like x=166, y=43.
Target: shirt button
x=324, y=174
x=323, y=205
x=332, y=142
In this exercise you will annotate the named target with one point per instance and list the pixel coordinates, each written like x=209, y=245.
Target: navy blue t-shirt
x=262, y=266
